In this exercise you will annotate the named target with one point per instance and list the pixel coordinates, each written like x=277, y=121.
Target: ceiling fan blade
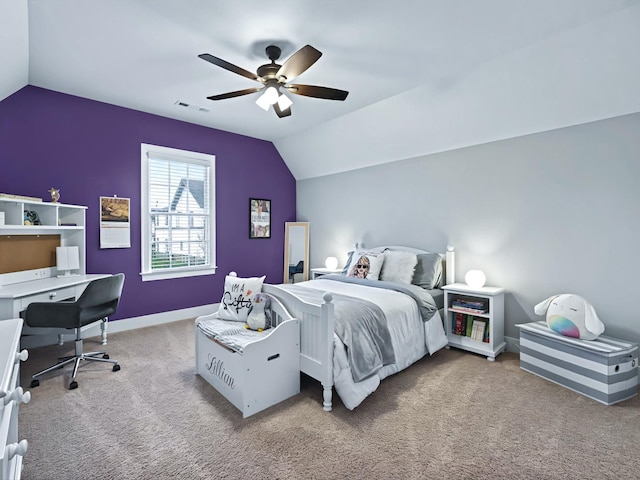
x=237, y=93
x=317, y=92
x=229, y=66
x=281, y=113
x=298, y=63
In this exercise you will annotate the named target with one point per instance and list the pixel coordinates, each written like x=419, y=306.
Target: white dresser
x=11, y=396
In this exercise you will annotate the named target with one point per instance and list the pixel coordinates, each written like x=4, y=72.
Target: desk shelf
x=55, y=219
x=50, y=214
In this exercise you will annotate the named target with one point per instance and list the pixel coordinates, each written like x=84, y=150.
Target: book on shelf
x=469, y=310
x=478, y=329
x=471, y=303
x=471, y=306
x=458, y=326
x=487, y=333
x=469, y=325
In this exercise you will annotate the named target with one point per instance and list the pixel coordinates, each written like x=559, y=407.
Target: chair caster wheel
x=105, y=356
x=116, y=367
x=73, y=385
x=35, y=383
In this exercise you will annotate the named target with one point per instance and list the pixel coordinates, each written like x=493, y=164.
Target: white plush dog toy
x=571, y=315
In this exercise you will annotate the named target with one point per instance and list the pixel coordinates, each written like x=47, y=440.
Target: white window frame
x=153, y=151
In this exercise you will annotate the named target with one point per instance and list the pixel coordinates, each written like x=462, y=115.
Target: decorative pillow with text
x=237, y=299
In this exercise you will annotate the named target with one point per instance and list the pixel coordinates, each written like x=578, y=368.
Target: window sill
x=166, y=275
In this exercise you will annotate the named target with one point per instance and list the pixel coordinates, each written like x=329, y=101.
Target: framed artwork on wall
x=259, y=218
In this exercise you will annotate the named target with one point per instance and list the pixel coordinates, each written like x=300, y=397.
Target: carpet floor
x=450, y=416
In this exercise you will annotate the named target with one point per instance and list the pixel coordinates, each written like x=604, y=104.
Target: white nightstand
x=318, y=272
x=489, y=311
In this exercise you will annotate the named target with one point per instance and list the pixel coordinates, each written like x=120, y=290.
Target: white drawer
x=51, y=296
x=10, y=468
x=6, y=436
x=9, y=341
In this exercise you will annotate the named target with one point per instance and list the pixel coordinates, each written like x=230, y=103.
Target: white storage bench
x=604, y=369
x=253, y=370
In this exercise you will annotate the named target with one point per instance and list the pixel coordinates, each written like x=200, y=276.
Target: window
x=177, y=213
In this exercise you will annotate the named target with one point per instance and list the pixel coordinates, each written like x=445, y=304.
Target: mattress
x=438, y=297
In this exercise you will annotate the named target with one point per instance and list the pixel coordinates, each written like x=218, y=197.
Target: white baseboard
x=513, y=344
x=34, y=341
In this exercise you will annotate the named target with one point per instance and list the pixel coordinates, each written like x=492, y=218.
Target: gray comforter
x=423, y=298
x=362, y=328
x=361, y=325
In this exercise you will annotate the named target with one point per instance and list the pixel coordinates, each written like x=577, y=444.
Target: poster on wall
x=115, y=222
x=259, y=218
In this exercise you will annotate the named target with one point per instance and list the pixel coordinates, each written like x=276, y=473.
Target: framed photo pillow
x=365, y=265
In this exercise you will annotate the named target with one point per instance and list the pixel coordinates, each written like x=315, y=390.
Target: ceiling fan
x=274, y=76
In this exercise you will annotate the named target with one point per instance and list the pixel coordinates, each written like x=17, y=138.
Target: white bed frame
x=317, y=327
x=316, y=337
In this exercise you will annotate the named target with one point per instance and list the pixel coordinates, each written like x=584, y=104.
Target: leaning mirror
x=296, y=252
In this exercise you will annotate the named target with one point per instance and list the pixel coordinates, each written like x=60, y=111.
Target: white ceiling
x=423, y=75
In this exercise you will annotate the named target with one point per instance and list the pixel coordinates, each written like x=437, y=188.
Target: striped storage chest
x=605, y=369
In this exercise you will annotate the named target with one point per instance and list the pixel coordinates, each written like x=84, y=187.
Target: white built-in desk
x=16, y=297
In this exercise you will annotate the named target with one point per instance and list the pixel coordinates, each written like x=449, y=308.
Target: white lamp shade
x=263, y=102
x=475, y=278
x=268, y=98
x=284, y=102
x=331, y=263
x=271, y=95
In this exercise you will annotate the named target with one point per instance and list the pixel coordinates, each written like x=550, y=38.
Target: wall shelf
x=66, y=221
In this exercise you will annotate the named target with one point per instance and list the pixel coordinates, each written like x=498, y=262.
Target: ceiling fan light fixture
x=274, y=77
x=271, y=95
x=263, y=103
x=284, y=102
x=268, y=98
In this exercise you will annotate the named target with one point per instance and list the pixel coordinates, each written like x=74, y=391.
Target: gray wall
x=555, y=212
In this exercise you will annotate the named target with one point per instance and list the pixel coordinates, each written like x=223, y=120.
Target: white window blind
x=178, y=215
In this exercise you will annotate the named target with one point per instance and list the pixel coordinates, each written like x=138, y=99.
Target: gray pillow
x=346, y=265
x=428, y=273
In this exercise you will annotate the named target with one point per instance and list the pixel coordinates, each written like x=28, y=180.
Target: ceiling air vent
x=191, y=107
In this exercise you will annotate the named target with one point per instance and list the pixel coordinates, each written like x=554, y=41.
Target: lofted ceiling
x=424, y=75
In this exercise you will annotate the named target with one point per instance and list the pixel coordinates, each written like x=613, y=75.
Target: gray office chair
x=99, y=300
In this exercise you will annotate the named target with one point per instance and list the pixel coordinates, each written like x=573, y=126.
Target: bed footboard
x=316, y=337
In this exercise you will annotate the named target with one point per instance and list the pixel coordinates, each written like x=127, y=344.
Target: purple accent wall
x=89, y=149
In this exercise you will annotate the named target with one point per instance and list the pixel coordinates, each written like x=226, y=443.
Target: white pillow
x=238, y=296
x=398, y=267
x=365, y=265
